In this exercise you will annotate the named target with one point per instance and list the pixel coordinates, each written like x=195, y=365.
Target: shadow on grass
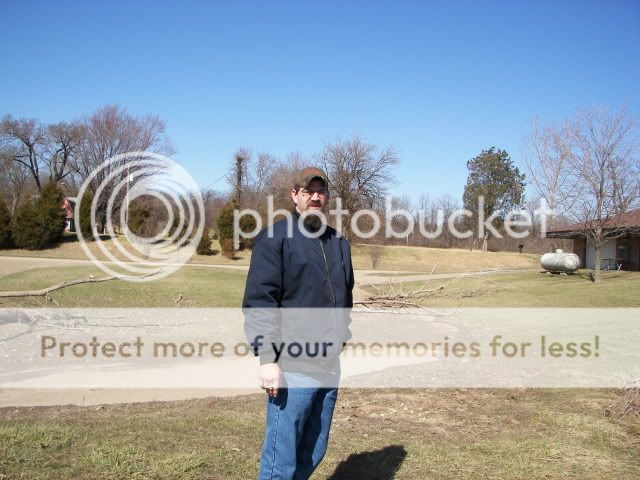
x=586, y=275
x=72, y=237
x=377, y=465
x=68, y=237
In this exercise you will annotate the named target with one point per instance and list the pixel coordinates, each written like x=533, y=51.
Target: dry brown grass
x=404, y=434
x=441, y=260
x=411, y=259
x=70, y=249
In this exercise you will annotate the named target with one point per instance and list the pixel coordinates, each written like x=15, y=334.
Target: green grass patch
x=526, y=289
x=212, y=287
x=199, y=286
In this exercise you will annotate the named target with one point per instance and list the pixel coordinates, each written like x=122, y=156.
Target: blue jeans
x=297, y=432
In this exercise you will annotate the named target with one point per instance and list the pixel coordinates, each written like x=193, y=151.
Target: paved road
x=10, y=264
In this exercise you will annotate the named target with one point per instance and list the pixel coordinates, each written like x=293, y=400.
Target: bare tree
x=448, y=204
x=214, y=202
x=239, y=174
x=111, y=131
x=425, y=204
x=283, y=178
x=261, y=175
x=359, y=174
x=426, y=214
x=25, y=139
x=264, y=168
x=605, y=164
x=601, y=174
x=64, y=141
x=400, y=223
x=547, y=152
x=35, y=146
x=14, y=178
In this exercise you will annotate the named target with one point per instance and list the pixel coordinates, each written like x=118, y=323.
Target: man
x=300, y=263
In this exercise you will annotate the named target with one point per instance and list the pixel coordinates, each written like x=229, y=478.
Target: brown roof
x=630, y=220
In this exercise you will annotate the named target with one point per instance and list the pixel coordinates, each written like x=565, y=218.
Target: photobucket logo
x=118, y=182
x=461, y=223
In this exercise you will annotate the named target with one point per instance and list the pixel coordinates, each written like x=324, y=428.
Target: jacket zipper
x=326, y=264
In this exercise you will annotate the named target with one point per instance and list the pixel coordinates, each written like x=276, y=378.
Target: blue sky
x=439, y=80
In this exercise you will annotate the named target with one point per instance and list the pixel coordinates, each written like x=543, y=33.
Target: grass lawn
x=199, y=286
x=414, y=434
x=393, y=274
x=529, y=289
x=409, y=259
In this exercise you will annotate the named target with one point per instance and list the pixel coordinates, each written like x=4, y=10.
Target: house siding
x=630, y=258
x=580, y=250
x=611, y=249
x=607, y=251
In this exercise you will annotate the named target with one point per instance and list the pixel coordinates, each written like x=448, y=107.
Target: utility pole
x=126, y=204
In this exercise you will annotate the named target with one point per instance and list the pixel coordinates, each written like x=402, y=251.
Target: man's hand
x=270, y=374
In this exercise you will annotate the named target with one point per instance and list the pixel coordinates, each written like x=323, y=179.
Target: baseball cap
x=304, y=176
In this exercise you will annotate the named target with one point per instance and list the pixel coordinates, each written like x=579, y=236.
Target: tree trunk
x=597, y=274
x=485, y=241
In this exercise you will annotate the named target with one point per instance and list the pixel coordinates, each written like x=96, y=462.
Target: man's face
x=313, y=198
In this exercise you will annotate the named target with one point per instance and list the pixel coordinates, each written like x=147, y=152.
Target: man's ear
x=294, y=194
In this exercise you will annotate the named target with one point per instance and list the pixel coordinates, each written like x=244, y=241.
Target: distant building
x=621, y=252
x=68, y=205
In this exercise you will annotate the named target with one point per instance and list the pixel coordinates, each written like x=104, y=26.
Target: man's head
x=310, y=192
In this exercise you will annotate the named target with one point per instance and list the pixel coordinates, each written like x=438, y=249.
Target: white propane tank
x=560, y=262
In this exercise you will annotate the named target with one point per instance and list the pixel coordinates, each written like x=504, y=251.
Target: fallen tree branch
x=628, y=403
x=397, y=296
x=43, y=292
x=51, y=300
x=379, y=303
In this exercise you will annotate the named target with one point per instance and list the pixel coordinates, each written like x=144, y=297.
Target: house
x=622, y=252
x=68, y=205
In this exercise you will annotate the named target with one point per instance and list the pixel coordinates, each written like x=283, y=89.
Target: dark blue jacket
x=294, y=271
